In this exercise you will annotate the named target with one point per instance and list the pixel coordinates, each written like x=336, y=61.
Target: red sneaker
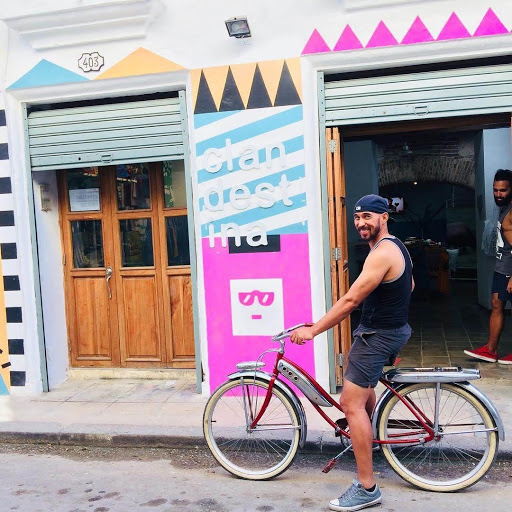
x=484, y=354
x=506, y=359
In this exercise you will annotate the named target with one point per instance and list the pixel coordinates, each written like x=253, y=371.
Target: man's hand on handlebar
x=301, y=335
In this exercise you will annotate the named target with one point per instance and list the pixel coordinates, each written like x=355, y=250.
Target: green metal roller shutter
x=456, y=92
x=107, y=134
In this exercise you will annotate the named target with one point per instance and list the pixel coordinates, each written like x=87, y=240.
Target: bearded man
x=385, y=285
x=502, y=278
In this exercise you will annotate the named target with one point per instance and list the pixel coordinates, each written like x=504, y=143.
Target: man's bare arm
x=375, y=268
x=506, y=227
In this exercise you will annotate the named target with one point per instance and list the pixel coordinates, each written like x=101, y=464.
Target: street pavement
x=158, y=413
x=43, y=478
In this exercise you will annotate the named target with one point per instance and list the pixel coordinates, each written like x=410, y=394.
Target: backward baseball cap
x=372, y=203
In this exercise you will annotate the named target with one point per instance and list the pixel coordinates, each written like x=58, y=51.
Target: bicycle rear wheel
x=258, y=454
x=461, y=454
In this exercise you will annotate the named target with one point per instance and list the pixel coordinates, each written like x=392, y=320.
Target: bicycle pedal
x=330, y=464
x=342, y=424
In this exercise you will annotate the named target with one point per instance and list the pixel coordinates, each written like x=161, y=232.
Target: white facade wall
x=43, y=42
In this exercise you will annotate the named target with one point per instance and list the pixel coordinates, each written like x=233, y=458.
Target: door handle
x=108, y=276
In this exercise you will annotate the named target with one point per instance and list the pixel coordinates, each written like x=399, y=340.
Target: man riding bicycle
x=385, y=285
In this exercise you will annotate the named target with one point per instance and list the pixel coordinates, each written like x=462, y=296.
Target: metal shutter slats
x=106, y=134
x=469, y=91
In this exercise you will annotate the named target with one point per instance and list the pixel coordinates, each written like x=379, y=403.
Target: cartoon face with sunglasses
x=248, y=298
x=257, y=306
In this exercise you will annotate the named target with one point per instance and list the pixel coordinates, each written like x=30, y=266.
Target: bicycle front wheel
x=254, y=454
x=461, y=453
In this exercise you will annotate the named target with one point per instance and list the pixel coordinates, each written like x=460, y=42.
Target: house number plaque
x=90, y=62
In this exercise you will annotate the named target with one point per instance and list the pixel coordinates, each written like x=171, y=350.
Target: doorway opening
x=127, y=265
x=437, y=176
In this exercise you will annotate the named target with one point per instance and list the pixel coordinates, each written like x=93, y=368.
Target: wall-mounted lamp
x=238, y=27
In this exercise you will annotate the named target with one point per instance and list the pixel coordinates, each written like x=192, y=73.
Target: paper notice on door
x=84, y=200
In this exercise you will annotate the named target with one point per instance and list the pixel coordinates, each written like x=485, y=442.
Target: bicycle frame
x=242, y=414
x=304, y=379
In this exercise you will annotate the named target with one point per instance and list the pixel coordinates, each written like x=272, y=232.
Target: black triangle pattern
x=286, y=91
x=231, y=99
x=204, y=102
x=258, y=97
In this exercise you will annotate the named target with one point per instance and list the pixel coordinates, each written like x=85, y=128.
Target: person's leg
x=370, y=403
x=355, y=402
x=496, y=322
x=489, y=351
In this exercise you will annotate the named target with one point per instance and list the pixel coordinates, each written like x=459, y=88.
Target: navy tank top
x=387, y=307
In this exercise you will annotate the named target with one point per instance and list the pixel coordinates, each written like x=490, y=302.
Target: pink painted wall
x=291, y=265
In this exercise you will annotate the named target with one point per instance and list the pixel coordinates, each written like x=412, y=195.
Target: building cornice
x=108, y=21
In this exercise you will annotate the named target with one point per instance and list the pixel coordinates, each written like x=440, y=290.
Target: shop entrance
x=127, y=265
x=437, y=175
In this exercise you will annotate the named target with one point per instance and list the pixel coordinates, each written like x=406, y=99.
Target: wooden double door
x=127, y=266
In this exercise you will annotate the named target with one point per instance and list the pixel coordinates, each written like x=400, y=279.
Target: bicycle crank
x=331, y=463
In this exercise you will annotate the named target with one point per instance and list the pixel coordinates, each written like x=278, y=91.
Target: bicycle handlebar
x=287, y=332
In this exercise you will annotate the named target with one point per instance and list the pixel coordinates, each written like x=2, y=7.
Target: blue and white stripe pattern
x=266, y=131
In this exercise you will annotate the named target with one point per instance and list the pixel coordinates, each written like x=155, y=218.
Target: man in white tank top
x=502, y=278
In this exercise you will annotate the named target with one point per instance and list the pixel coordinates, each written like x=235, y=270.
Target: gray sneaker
x=356, y=498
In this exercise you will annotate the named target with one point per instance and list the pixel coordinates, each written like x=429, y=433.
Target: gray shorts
x=371, y=351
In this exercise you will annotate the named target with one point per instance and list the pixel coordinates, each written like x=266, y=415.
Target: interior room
x=439, y=186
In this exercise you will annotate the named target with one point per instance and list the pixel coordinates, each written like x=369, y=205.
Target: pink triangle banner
x=315, y=44
x=417, y=33
x=348, y=40
x=490, y=25
x=381, y=37
x=453, y=29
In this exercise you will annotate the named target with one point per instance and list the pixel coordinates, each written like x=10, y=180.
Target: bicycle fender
x=387, y=394
x=286, y=390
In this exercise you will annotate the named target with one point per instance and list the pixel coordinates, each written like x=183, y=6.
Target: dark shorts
x=371, y=351
x=499, y=286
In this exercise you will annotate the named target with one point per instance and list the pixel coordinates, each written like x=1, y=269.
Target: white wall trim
x=93, y=89
x=411, y=55
x=86, y=24
x=315, y=224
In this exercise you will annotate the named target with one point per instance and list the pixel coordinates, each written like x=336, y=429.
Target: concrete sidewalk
x=157, y=413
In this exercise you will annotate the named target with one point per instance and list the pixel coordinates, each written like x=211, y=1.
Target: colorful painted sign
x=251, y=177
x=252, y=295
x=250, y=185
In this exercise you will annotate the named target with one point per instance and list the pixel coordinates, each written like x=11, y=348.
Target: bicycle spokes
x=255, y=451
x=455, y=454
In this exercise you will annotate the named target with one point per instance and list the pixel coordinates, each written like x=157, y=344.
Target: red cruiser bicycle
x=426, y=421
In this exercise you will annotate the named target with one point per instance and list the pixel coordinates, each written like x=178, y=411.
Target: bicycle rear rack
x=437, y=374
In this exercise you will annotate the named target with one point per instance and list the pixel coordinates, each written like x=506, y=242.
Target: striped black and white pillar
x=12, y=356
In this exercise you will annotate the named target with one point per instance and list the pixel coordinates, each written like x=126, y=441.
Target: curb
x=113, y=440
x=102, y=440
x=123, y=440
